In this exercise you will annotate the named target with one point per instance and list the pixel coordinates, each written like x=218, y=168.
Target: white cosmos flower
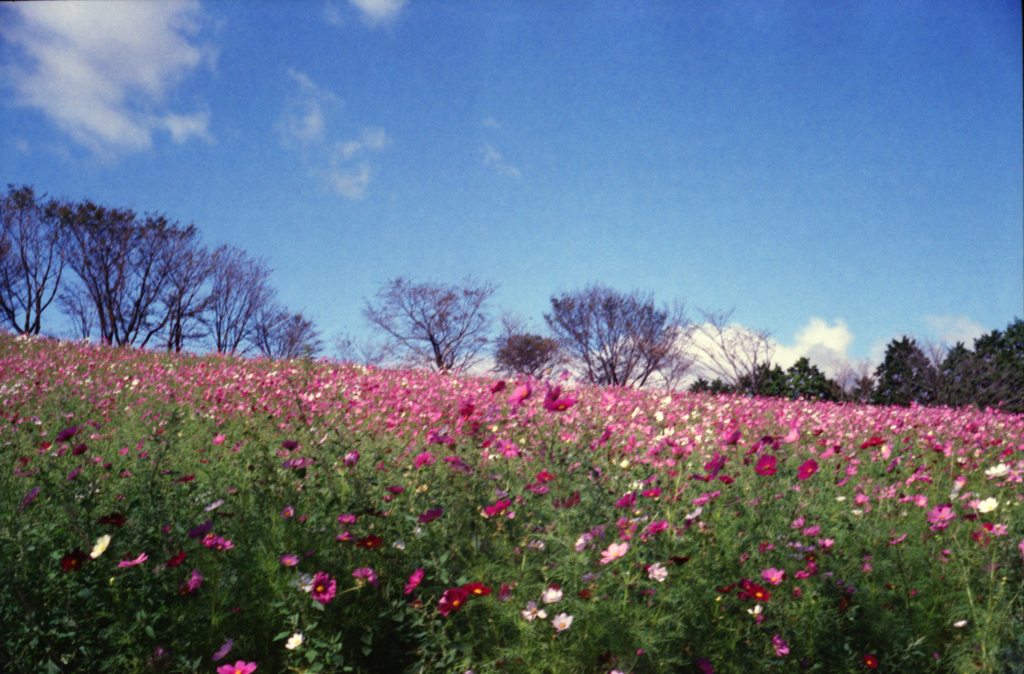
x=101, y=546
x=294, y=641
x=998, y=471
x=988, y=505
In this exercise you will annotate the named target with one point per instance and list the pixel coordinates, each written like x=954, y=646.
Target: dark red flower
x=66, y=434
x=870, y=661
x=545, y=476
x=477, y=589
x=430, y=515
x=115, y=519
x=289, y=444
x=452, y=600
x=78, y=450
x=187, y=478
x=371, y=541
x=176, y=560
x=568, y=501
x=73, y=560
x=874, y=441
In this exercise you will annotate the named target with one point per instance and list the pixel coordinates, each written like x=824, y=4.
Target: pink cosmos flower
x=134, y=562
x=551, y=595
x=368, y=574
x=324, y=588
x=289, y=511
x=940, y=517
x=424, y=459
x=240, y=667
x=224, y=650
x=808, y=469
x=553, y=403
x=497, y=508
x=191, y=586
x=614, y=551
x=781, y=647
x=415, y=579
x=773, y=576
x=289, y=560
x=797, y=523
x=521, y=393
x=219, y=439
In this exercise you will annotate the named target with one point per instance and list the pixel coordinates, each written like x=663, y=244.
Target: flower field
x=213, y=514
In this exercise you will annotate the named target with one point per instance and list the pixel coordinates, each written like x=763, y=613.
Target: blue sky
x=840, y=173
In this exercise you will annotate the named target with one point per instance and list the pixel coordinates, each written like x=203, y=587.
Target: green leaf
x=367, y=650
x=150, y=633
x=311, y=655
x=318, y=606
x=282, y=635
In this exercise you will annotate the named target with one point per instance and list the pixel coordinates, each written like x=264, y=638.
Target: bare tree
x=363, y=352
x=287, y=335
x=854, y=379
x=188, y=294
x=517, y=351
x=441, y=326
x=124, y=266
x=616, y=338
x=32, y=258
x=731, y=352
x=241, y=292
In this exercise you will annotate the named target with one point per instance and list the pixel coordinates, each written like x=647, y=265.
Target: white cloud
x=493, y=158
x=823, y=344
x=305, y=119
x=306, y=125
x=349, y=183
x=373, y=139
x=492, y=123
x=953, y=329
x=102, y=72
x=379, y=11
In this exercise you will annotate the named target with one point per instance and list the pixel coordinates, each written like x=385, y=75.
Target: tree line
x=143, y=280
x=138, y=280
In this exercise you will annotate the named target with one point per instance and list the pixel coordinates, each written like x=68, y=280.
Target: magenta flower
x=29, y=497
x=704, y=665
x=289, y=560
x=133, y=562
x=219, y=439
x=324, y=588
x=191, y=586
x=773, y=576
x=765, y=465
x=289, y=511
x=414, y=580
x=627, y=500
x=240, y=667
x=351, y=458
x=424, y=459
x=808, y=469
